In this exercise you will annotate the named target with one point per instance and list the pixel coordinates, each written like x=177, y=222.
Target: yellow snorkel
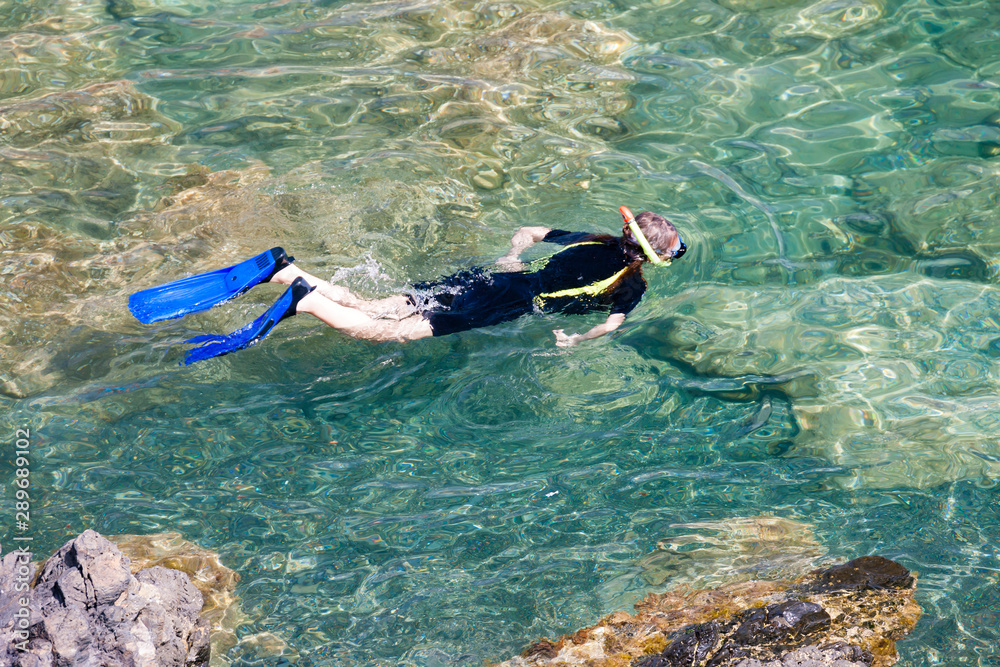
x=640, y=237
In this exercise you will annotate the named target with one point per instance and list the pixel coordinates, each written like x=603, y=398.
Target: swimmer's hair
x=660, y=233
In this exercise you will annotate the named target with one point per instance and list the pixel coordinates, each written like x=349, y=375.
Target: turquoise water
x=826, y=352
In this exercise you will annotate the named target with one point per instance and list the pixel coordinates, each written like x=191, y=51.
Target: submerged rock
x=723, y=552
x=514, y=49
x=850, y=614
x=112, y=110
x=88, y=608
x=902, y=384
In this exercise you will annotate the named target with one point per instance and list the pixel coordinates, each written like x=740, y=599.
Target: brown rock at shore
x=851, y=614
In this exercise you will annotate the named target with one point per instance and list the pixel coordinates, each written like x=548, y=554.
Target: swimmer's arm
x=614, y=321
x=523, y=239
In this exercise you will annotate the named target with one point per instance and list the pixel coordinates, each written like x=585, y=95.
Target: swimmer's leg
x=396, y=307
x=359, y=324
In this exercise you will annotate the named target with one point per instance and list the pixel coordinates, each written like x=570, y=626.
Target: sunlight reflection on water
x=825, y=354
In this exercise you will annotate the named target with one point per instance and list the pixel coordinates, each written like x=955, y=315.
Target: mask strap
x=640, y=237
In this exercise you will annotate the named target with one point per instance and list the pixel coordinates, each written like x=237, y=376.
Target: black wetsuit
x=591, y=273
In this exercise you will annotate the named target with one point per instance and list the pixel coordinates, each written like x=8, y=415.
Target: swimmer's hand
x=562, y=340
x=614, y=321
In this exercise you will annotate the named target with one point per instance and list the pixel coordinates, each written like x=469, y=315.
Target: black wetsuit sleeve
x=628, y=294
x=562, y=237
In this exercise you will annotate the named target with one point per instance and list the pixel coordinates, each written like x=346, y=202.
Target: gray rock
x=816, y=656
x=16, y=572
x=87, y=609
x=87, y=572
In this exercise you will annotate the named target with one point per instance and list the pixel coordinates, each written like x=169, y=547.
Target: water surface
x=826, y=352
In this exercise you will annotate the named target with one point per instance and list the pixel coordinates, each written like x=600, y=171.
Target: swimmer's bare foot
x=341, y=295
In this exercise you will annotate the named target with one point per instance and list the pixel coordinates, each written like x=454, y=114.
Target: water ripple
x=823, y=357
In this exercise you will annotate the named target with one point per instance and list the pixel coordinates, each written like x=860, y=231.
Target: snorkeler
x=591, y=272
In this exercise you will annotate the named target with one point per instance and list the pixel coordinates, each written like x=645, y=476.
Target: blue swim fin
x=215, y=346
x=201, y=292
